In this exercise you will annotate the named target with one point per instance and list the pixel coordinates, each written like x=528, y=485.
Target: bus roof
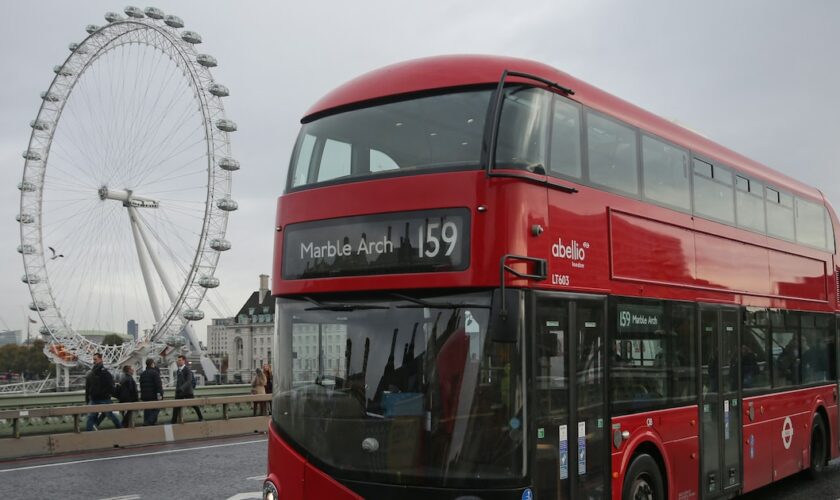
x=442, y=72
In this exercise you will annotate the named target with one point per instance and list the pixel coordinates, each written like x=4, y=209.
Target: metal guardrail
x=15, y=401
x=17, y=445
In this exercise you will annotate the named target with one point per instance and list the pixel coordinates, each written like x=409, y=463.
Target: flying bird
x=54, y=256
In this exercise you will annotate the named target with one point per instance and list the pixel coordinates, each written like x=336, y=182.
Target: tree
x=112, y=339
x=26, y=359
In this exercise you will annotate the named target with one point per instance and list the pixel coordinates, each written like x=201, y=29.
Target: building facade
x=132, y=329
x=246, y=338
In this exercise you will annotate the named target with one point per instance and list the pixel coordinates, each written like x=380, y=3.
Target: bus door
x=567, y=334
x=720, y=404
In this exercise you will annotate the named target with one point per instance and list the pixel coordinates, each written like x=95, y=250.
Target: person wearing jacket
x=258, y=387
x=99, y=386
x=184, y=388
x=127, y=392
x=151, y=389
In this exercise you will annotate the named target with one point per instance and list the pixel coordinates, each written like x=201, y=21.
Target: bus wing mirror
x=505, y=316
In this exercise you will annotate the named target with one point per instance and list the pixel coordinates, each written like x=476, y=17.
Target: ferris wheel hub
x=127, y=197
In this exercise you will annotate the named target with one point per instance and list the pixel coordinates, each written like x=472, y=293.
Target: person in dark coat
x=99, y=386
x=151, y=389
x=127, y=392
x=184, y=388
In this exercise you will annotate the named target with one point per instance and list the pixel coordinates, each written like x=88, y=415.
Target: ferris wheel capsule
x=40, y=125
x=31, y=279
x=38, y=306
x=61, y=70
x=25, y=218
x=175, y=340
x=218, y=90
x=173, y=21
x=206, y=60
x=27, y=187
x=229, y=164
x=32, y=155
x=154, y=13
x=91, y=28
x=44, y=330
x=220, y=244
x=193, y=314
x=226, y=125
x=113, y=17
x=208, y=281
x=26, y=249
x=227, y=204
x=191, y=37
x=77, y=48
x=49, y=96
x=135, y=12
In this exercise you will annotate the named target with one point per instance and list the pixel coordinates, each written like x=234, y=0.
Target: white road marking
x=255, y=478
x=124, y=497
x=251, y=495
x=164, y=452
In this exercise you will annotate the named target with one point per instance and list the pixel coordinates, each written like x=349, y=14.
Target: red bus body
x=633, y=248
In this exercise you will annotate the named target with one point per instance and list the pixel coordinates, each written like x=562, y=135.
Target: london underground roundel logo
x=787, y=433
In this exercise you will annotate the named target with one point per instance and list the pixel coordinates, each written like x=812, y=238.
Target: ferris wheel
x=126, y=186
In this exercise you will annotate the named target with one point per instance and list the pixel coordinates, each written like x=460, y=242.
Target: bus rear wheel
x=819, y=447
x=643, y=480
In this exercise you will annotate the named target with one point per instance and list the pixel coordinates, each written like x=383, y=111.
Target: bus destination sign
x=404, y=242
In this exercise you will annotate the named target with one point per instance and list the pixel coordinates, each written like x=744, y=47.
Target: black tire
x=818, y=448
x=643, y=480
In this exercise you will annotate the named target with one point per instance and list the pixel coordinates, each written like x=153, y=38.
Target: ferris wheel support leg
x=210, y=370
x=144, y=265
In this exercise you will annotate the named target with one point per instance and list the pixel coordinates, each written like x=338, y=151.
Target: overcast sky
x=758, y=76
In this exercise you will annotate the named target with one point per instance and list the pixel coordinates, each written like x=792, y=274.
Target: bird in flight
x=54, y=255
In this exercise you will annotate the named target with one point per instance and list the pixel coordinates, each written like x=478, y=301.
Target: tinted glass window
x=612, y=154
x=425, y=133
x=785, y=348
x=652, y=355
x=523, y=128
x=335, y=160
x=817, y=348
x=565, y=139
x=779, y=216
x=712, y=198
x=755, y=354
x=749, y=204
x=665, y=173
x=810, y=225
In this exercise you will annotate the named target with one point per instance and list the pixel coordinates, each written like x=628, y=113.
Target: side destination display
x=404, y=242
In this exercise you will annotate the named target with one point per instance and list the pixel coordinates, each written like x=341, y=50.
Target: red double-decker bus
x=495, y=281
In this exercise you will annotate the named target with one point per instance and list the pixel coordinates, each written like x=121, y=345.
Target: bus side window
x=335, y=160
x=612, y=154
x=565, y=139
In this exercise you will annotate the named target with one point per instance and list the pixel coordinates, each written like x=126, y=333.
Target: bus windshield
x=401, y=389
x=425, y=133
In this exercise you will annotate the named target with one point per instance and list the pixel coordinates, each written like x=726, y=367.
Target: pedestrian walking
x=258, y=387
x=151, y=389
x=99, y=386
x=269, y=383
x=126, y=391
x=184, y=388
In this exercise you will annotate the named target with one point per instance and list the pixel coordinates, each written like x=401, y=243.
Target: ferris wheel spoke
x=156, y=151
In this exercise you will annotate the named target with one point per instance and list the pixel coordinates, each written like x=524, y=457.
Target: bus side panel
x=782, y=429
x=758, y=451
x=675, y=433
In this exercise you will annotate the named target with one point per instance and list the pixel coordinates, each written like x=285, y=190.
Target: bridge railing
x=226, y=423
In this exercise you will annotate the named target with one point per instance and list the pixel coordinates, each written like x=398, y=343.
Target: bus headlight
x=269, y=491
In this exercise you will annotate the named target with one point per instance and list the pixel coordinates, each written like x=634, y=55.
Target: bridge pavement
x=209, y=469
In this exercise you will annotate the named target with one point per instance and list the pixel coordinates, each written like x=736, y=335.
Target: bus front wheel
x=643, y=480
x=819, y=447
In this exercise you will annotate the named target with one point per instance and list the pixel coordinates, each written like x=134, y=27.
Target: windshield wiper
x=433, y=305
x=338, y=307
